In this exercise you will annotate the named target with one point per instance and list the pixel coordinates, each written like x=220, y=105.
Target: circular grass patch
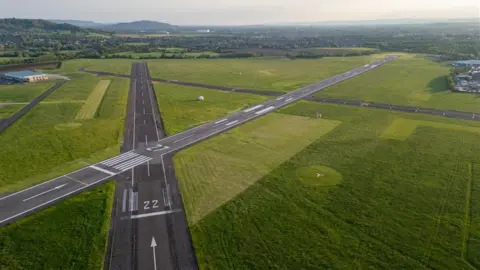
x=319, y=176
x=67, y=126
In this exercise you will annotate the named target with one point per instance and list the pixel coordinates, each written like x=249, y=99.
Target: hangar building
x=25, y=76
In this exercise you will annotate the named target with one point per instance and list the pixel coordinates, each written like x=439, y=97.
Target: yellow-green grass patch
x=214, y=171
x=89, y=109
x=318, y=175
x=401, y=128
x=66, y=126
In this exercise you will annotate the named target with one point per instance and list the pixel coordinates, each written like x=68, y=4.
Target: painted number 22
x=146, y=204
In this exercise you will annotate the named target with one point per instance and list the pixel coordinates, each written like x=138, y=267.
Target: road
x=12, y=119
x=147, y=203
x=27, y=201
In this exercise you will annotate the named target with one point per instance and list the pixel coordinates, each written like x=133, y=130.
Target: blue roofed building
x=25, y=76
x=467, y=63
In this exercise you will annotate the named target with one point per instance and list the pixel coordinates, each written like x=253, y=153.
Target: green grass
x=52, y=142
x=78, y=89
x=122, y=66
x=89, y=109
x=229, y=163
x=401, y=204
x=22, y=92
x=70, y=235
x=401, y=129
x=410, y=80
x=9, y=110
x=181, y=109
x=280, y=75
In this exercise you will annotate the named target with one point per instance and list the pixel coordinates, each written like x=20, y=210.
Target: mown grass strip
x=53, y=239
x=89, y=109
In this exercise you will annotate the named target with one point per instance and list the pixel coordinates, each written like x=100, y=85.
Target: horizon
x=248, y=12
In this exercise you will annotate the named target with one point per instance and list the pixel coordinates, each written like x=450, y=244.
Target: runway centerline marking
x=46, y=191
x=231, y=123
x=160, y=213
x=102, y=170
x=78, y=181
x=184, y=138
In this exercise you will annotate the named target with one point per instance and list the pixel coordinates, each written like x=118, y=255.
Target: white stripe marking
x=119, y=159
x=124, y=203
x=265, y=110
x=132, y=163
x=41, y=193
x=102, y=170
x=288, y=99
x=231, y=123
x=253, y=108
x=53, y=200
x=155, y=214
x=221, y=121
x=280, y=98
x=131, y=200
x=184, y=138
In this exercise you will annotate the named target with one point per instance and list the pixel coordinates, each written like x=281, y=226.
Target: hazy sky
x=237, y=12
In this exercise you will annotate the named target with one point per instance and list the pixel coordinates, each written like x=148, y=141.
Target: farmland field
x=410, y=80
x=22, y=92
x=350, y=199
x=89, y=109
x=181, y=110
x=275, y=74
x=53, y=239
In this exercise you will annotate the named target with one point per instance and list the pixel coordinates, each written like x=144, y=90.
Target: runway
x=5, y=123
x=150, y=152
x=148, y=208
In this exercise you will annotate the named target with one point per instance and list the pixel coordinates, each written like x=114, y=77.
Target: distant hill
x=79, y=23
x=22, y=25
x=139, y=26
x=43, y=26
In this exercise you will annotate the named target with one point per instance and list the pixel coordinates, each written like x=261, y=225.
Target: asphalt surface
x=5, y=123
x=147, y=202
x=153, y=151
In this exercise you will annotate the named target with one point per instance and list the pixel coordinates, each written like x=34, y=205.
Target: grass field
x=410, y=80
x=70, y=235
x=181, y=110
x=280, y=75
x=9, y=110
x=392, y=208
x=89, y=109
x=122, y=66
x=244, y=155
x=49, y=138
x=22, y=92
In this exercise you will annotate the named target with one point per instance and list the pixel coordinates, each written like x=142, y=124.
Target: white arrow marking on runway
x=40, y=194
x=153, y=245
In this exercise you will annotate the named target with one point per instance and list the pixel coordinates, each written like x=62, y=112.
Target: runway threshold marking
x=160, y=213
x=102, y=170
x=46, y=191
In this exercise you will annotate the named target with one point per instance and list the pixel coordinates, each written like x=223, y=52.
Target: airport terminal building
x=25, y=76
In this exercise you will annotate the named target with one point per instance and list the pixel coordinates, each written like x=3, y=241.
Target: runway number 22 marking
x=146, y=204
